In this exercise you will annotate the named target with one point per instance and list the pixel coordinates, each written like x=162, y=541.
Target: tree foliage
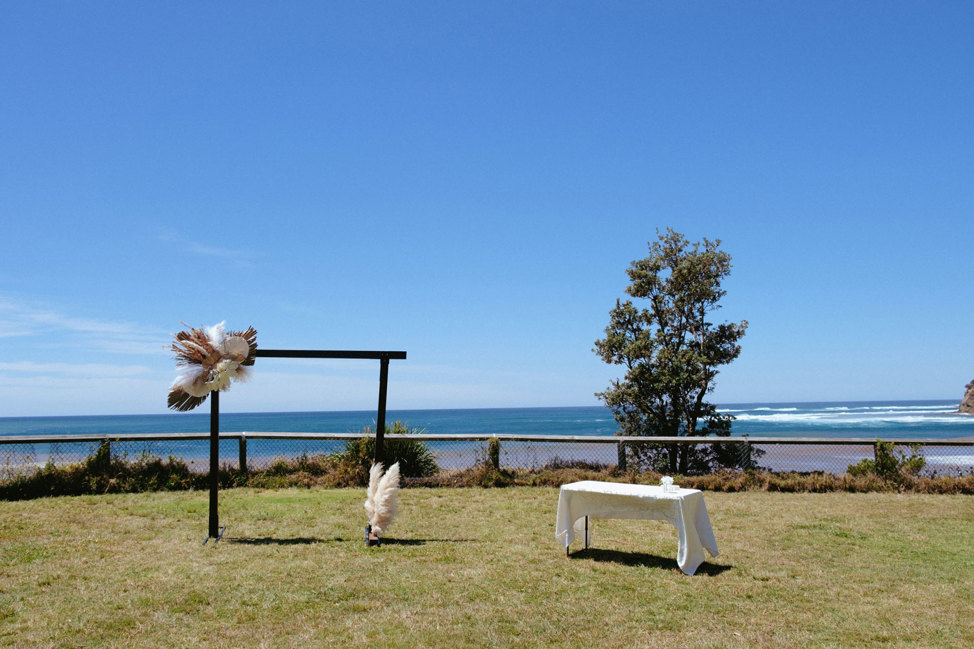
x=671, y=351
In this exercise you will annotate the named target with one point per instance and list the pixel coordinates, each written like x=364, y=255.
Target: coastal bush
x=316, y=465
x=102, y=473
x=487, y=472
x=415, y=458
x=494, y=452
x=485, y=475
x=890, y=464
x=302, y=471
x=556, y=474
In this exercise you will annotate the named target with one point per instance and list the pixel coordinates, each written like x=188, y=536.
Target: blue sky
x=468, y=182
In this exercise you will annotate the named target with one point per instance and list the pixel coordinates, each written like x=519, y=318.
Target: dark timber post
x=242, y=453
x=380, y=422
x=214, y=464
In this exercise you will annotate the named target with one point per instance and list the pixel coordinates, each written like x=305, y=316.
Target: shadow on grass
x=311, y=540
x=391, y=541
x=387, y=541
x=645, y=559
x=269, y=540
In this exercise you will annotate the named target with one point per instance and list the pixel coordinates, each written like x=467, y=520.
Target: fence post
x=744, y=460
x=621, y=453
x=243, y=452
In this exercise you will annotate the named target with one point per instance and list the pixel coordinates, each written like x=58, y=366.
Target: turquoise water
x=879, y=419
x=886, y=420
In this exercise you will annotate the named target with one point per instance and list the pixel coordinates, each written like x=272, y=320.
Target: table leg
x=567, y=548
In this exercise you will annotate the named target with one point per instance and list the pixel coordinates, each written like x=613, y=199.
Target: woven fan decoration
x=209, y=358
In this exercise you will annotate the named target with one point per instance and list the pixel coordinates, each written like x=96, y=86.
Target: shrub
x=487, y=471
x=415, y=458
x=890, y=464
x=494, y=453
x=316, y=465
x=101, y=473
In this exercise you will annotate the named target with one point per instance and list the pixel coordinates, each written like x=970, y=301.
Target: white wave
x=940, y=407
x=925, y=419
x=963, y=460
x=925, y=407
x=781, y=417
x=905, y=413
x=850, y=418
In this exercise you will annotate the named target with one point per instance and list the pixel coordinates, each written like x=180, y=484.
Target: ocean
x=869, y=419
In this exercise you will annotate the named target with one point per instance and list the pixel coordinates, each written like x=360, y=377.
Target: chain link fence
x=257, y=451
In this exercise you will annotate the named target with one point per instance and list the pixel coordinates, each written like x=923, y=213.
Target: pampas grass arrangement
x=209, y=358
x=381, y=500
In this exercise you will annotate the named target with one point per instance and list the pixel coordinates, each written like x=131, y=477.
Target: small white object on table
x=683, y=508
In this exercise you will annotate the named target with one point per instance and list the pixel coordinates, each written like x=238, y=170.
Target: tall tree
x=671, y=351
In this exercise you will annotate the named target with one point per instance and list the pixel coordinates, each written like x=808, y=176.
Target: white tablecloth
x=684, y=509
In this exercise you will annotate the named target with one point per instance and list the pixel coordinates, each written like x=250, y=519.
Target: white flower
x=221, y=374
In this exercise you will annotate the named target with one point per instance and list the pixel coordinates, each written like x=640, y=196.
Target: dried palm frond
x=183, y=401
x=250, y=336
x=192, y=347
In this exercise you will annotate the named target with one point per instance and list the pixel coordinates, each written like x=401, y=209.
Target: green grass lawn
x=480, y=568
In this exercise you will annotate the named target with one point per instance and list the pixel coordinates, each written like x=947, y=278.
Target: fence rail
x=250, y=450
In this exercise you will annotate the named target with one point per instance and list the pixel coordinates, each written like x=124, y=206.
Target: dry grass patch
x=480, y=568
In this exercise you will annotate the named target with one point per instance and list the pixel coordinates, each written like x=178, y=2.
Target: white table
x=683, y=508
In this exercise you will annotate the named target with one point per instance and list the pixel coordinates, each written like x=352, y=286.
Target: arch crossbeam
x=383, y=357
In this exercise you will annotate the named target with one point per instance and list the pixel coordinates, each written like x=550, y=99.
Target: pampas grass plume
x=386, y=500
x=375, y=474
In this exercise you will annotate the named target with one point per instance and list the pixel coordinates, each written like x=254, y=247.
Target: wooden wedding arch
x=215, y=531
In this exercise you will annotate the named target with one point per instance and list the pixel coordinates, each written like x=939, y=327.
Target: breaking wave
x=890, y=419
